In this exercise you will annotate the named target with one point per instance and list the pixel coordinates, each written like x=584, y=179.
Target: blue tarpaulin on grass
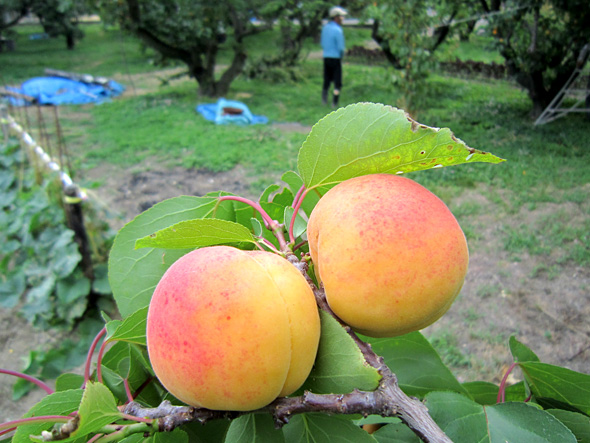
x=229, y=112
x=61, y=91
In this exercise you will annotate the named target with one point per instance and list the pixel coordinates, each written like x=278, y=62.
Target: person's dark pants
x=332, y=74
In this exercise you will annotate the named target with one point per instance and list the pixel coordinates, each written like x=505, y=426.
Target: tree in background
x=11, y=12
x=409, y=33
x=540, y=40
x=193, y=32
x=60, y=17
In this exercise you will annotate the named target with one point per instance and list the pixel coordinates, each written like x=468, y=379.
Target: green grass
x=103, y=51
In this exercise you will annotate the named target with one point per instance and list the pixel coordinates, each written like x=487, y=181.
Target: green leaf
x=97, y=409
x=463, y=420
x=396, y=433
x=368, y=138
x=129, y=361
x=211, y=432
x=406, y=353
x=59, y=403
x=486, y=393
x=254, y=428
x=521, y=352
x=133, y=274
x=300, y=225
x=322, y=428
x=558, y=387
x=197, y=234
x=579, y=424
x=132, y=329
x=339, y=367
x=295, y=182
x=176, y=436
x=68, y=381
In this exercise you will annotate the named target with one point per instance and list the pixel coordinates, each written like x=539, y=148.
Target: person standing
x=333, y=50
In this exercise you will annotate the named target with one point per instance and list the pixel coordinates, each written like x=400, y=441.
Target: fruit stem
x=30, y=378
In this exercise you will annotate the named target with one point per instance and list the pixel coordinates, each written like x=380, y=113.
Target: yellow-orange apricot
x=232, y=330
x=390, y=254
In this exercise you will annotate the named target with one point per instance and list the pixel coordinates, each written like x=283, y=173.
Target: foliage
x=40, y=265
x=551, y=405
x=541, y=41
x=192, y=33
x=60, y=17
x=408, y=34
x=11, y=12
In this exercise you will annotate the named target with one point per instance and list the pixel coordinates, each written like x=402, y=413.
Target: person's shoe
x=324, y=98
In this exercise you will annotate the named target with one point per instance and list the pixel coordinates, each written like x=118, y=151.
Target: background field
x=527, y=220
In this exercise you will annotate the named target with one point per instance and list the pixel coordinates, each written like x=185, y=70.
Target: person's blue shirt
x=333, y=40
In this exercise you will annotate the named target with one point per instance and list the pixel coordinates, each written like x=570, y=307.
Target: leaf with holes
x=369, y=138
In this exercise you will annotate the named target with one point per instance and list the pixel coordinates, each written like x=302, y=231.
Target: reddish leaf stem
x=30, y=378
x=137, y=419
x=42, y=418
x=7, y=431
x=99, y=360
x=268, y=221
x=128, y=390
x=297, y=202
x=102, y=332
x=502, y=390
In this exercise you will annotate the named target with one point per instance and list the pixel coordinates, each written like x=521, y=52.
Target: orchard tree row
x=540, y=40
x=296, y=317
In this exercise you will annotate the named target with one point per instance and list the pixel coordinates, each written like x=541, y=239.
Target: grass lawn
x=546, y=164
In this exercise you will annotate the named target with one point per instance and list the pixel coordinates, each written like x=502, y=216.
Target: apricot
x=232, y=330
x=390, y=254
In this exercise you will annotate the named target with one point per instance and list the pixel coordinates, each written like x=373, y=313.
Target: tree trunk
x=70, y=40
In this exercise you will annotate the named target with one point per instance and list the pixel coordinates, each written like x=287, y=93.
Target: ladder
x=575, y=94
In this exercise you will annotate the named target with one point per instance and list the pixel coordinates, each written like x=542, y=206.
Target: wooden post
x=4, y=122
x=75, y=221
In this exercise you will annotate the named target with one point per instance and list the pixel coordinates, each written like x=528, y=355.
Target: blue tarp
x=61, y=91
x=229, y=112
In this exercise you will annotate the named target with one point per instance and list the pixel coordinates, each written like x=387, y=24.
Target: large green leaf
x=322, y=428
x=97, y=409
x=579, y=424
x=520, y=351
x=559, y=387
x=396, y=433
x=133, y=274
x=132, y=329
x=369, y=138
x=465, y=421
x=254, y=428
x=197, y=234
x=406, y=353
x=339, y=367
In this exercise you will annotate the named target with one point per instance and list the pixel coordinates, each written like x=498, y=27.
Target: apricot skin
x=232, y=330
x=390, y=254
